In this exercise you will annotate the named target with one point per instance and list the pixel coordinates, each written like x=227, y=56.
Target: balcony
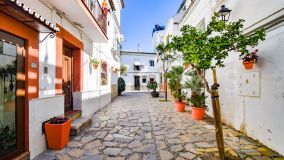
x=96, y=10
x=86, y=15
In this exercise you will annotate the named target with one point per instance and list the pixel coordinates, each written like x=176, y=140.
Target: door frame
x=138, y=85
x=66, y=38
x=20, y=99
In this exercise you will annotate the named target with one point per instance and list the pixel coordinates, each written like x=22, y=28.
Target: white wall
x=129, y=59
x=41, y=110
x=256, y=109
x=93, y=97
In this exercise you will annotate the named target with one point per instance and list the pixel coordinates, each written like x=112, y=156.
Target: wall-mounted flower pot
x=248, y=64
x=57, y=135
x=197, y=113
x=95, y=66
x=180, y=106
x=155, y=94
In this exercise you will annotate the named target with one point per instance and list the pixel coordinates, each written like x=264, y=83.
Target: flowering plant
x=247, y=57
x=58, y=120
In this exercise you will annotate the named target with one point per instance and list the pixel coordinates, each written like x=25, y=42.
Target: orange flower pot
x=248, y=64
x=197, y=113
x=57, y=135
x=95, y=66
x=180, y=106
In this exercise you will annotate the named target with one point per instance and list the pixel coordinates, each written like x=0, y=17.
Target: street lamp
x=224, y=13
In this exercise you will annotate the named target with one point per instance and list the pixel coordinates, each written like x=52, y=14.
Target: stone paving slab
x=136, y=126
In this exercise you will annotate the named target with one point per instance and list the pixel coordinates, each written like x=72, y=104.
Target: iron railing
x=96, y=11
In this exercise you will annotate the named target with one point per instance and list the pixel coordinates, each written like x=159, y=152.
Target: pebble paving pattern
x=136, y=126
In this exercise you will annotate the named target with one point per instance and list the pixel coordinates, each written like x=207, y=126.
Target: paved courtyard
x=136, y=126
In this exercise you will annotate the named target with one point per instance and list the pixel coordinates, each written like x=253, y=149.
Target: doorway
x=67, y=78
x=136, y=82
x=12, y=95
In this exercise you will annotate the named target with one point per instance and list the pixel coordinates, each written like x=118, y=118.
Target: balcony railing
x=96, y=10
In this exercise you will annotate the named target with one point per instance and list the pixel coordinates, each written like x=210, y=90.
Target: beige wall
x=114, y=91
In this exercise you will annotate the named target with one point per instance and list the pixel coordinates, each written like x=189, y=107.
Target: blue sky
x=139, y=18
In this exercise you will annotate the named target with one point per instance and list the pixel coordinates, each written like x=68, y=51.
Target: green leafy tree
x=167, y=58
x=208, y=49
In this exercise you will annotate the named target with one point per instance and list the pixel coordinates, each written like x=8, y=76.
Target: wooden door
x=137, y=82
x=67, y=79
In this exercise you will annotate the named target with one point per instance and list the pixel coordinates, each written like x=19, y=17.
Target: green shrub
x=175, y=77
x=121, y=85
x=153, y=85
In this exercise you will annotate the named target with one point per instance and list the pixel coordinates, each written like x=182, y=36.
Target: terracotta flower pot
x=248, y=64
x=180, y=106
x=197, y=113
x=57, y=135
x=95, y=66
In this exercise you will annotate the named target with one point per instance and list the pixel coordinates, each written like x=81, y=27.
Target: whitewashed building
x=52, y=42
x=142, y=68
x=251, y=100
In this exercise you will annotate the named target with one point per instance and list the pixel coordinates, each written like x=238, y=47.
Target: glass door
x=12, y=97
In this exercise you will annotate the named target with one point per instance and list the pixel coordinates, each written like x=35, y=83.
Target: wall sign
x=249, y=84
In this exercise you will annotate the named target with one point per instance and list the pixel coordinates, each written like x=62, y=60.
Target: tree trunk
x=217, y=117
x=166, y=89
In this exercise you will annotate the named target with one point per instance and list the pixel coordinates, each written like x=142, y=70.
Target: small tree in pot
x=153, y=86
x=175, y=78
x=197, y=99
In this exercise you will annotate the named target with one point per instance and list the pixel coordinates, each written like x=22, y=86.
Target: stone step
x=79, y=125
x=73, y=114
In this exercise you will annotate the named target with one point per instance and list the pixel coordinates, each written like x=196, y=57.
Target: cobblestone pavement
x=136, y=126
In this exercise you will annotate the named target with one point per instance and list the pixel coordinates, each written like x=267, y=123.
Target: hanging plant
x=249, y=59
x=123, y=70
x=94, y=62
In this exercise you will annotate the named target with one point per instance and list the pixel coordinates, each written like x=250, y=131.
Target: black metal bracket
x=50, y=34
x=215, y=86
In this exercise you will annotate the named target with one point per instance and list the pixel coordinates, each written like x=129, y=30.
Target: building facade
x=142, y=68
x=251, y=101
x=45, y=49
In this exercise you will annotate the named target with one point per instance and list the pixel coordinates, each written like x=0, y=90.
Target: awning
x=26, y=15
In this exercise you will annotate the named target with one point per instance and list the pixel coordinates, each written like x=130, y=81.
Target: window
x=152, y=63
x=136, y=68
x=144, y=79
x=104, y=80
x=152, y=79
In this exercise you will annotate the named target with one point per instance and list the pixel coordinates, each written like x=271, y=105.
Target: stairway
x=79, y=123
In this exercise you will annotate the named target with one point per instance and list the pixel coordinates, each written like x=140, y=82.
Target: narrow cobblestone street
x=136, y=126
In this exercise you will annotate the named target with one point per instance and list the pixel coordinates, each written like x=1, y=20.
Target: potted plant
x=57, y=132
x=123, y=70
x=175, y=78
x=94, y=62
x=197, y=106
x=153, y=86
x=249, y=59
x=197, y=99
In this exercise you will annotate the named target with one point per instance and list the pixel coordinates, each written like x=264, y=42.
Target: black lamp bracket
x=50, y=34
